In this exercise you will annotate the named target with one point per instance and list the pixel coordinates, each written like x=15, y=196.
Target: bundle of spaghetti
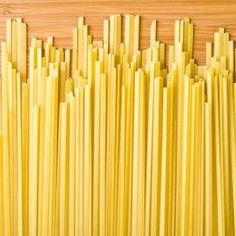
x=110, y=139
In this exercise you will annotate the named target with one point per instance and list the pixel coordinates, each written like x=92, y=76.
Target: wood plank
x=44, y=19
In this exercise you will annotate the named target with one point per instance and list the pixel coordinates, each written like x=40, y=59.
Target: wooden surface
x=57, y=18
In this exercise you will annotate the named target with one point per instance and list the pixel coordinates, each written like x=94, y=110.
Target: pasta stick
x=72, y=167
x=96, y=160
x=153, y=34
x=208, y=171
x=141, y=158
x=25, y=151
x=19, y=154
x=121, y=174
x=155, y=198
x=87, y=164
x=135, y=212
x=163, y=187
x=79, y=198
x=102, y=166
x=33, y=181
x=149, y=157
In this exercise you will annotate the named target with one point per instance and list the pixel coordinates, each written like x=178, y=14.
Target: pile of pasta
x=110, y=139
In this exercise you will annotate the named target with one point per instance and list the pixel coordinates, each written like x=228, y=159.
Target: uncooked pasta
x=108, y=138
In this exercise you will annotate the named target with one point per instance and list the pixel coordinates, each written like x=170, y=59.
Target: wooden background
x=57, y=18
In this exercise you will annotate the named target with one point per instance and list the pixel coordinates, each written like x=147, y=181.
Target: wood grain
x=57, y=18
